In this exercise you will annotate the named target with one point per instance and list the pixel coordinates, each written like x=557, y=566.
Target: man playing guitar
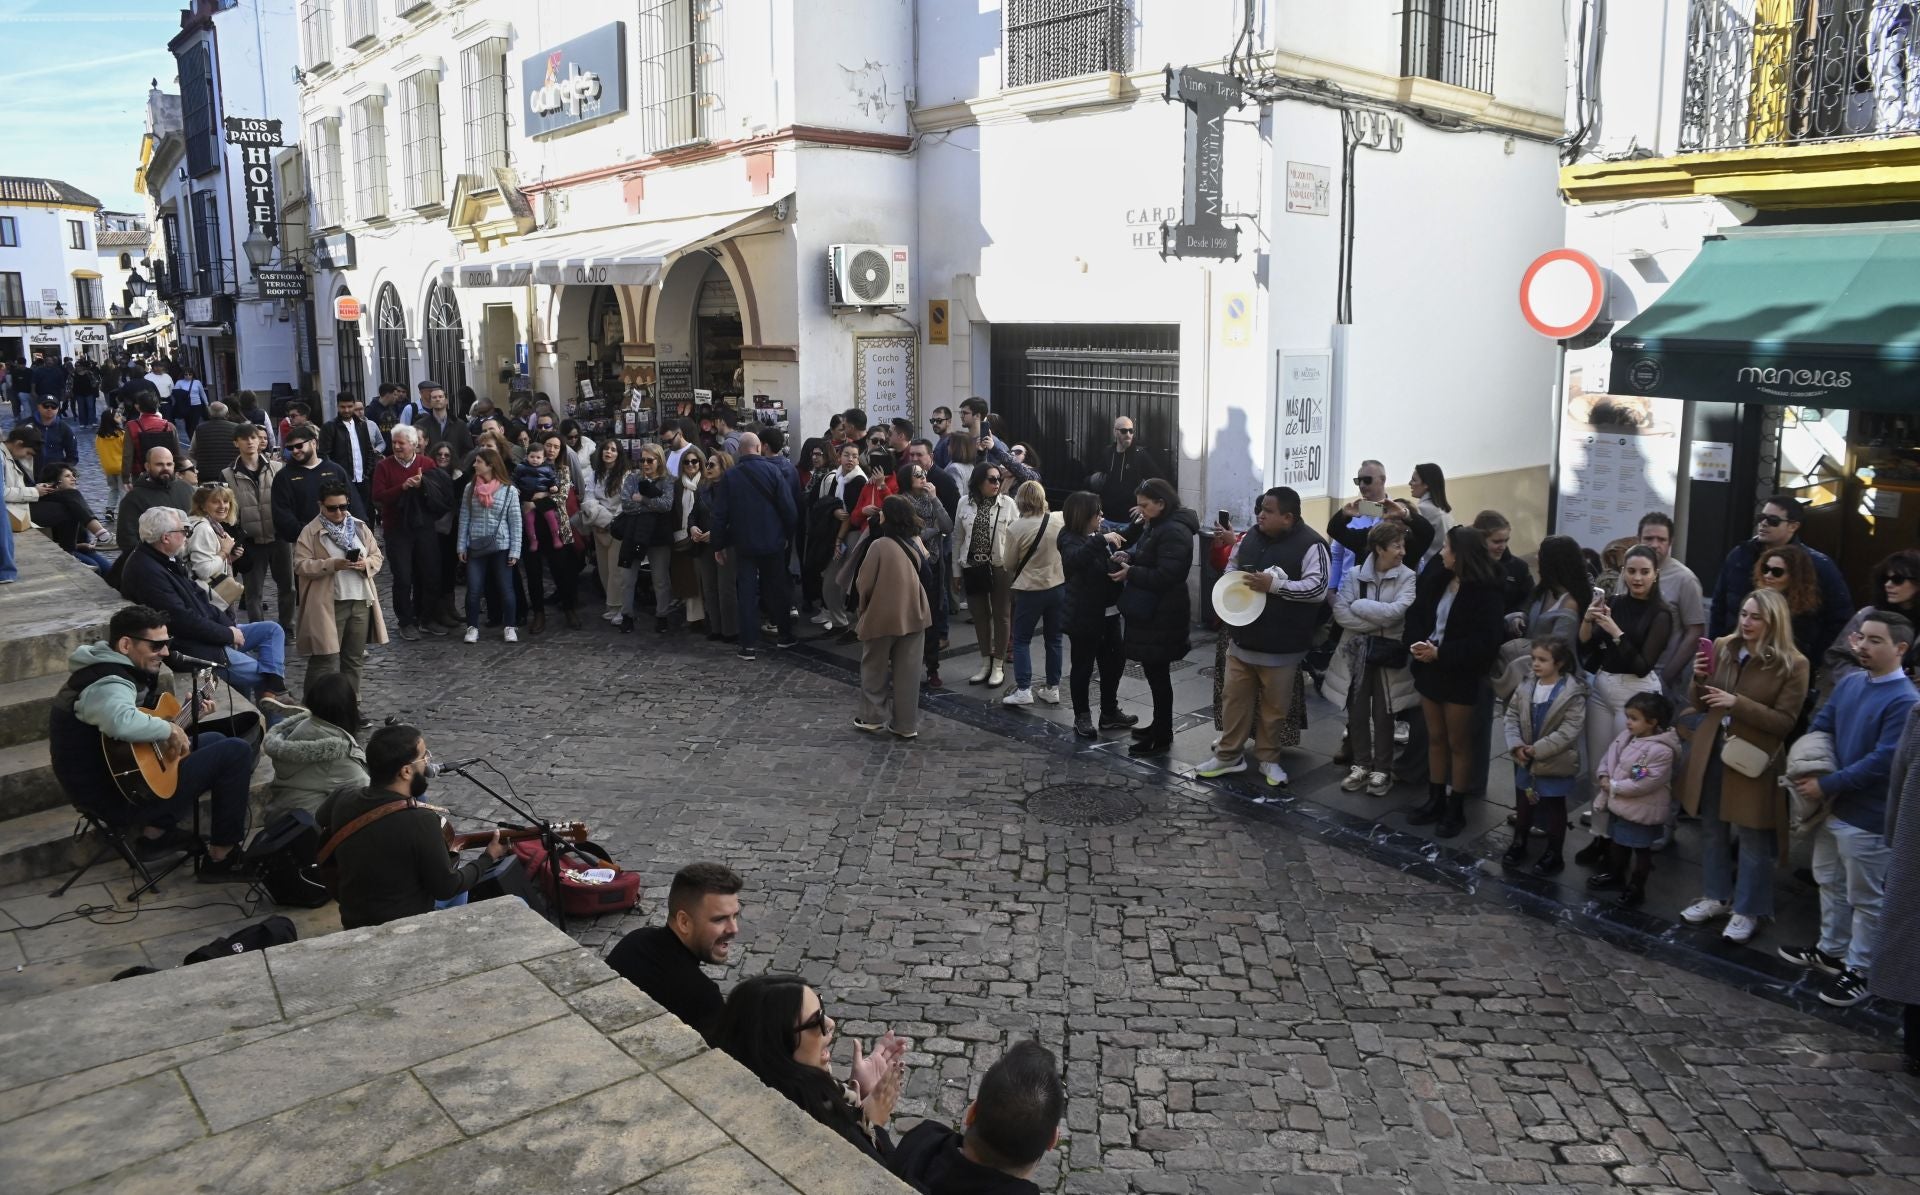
x=394, y=862
x=107, y=686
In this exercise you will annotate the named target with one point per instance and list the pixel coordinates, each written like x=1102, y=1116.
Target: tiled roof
x=114, y=239
x=42, y=190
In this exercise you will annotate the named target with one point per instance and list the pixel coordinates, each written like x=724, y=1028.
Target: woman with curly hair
x=1896, y=588
x=1788, y=571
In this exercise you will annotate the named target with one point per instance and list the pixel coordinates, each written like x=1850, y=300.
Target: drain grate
x=1084, y=805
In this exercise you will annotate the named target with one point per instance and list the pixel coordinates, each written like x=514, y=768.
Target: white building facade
x=51, y=297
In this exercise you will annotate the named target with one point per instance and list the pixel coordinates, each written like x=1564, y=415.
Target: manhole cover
x=1084, y=805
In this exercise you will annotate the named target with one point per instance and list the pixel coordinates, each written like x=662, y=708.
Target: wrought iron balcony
x=1795, y=72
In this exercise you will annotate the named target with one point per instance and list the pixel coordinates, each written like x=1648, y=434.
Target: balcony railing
x=1793, y=72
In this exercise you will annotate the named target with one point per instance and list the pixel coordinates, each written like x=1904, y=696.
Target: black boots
x=1453, y=819
x=1430, y=812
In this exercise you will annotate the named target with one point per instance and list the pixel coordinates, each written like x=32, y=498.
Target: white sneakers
x=472, y=635
x=1273, y=774
x=612, y=615
x=511, y=635
x=1214, y=767
x=1740, y=928
x=1022, y=697
x=1379, y=784
x=1356, y=779
x=1048, y=693
x=1705, y=909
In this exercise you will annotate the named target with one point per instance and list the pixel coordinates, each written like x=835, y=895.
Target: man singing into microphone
x=394, y=863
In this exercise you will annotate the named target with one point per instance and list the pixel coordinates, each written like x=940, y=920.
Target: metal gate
x=1061, y=386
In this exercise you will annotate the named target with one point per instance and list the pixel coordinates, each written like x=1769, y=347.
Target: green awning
x=1805, y=315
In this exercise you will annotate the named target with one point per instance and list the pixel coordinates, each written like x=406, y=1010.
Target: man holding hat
x=1287, y=561
x=296, y=492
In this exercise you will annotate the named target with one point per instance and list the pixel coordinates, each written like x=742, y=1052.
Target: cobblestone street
x=1239, y=1008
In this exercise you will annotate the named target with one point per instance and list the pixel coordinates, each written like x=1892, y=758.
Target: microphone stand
x=196, y=678
x=548, y=839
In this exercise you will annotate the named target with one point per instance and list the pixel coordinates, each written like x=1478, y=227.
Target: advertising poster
x=1302, y=421
x=1619, y=459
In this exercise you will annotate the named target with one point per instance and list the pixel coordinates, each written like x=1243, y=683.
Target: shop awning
x=619, y=255
x=143, y=332
x=1803, y=315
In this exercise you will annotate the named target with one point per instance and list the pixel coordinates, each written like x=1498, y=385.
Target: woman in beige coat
x=894, y=617
x=334, y=563
x=1749, y=693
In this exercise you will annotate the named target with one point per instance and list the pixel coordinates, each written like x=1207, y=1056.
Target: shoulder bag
x=1746, y=758
x=1384, y=651
x=978, y=578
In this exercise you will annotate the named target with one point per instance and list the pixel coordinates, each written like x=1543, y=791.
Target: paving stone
x=728, y=1170
x=97, y=1134
x=521, y=1073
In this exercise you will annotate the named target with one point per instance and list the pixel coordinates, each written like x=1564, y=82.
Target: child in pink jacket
x=1635, y=783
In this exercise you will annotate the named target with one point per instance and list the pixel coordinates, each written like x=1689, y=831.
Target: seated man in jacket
x=1009, y=1127
x=108, y=684
x=395, y=865
x=251, y=655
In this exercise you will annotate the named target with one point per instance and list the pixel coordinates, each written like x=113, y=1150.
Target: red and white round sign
x=1562, y=292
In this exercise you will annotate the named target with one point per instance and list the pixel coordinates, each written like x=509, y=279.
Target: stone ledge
x=475, y=1047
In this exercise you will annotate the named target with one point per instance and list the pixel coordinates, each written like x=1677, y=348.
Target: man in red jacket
x=413, y=547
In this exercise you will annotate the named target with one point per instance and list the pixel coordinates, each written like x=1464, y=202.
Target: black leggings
x=1087, y=651
x=1549, y=814
x=1159, y=674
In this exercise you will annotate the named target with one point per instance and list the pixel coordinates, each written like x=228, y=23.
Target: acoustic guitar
x=575, y=832
x=144, y=775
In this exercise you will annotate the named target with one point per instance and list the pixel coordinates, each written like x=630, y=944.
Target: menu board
x=1619, y=459
x=673, y=387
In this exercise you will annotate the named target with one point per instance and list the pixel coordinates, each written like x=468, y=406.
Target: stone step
x=56, y=605
x=26, y=780
x=23, y=707
x=41, y=844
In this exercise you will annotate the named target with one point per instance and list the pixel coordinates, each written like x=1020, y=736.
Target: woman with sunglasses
x=1788, y=571
x=982, y=529
x=720, y=607
x=1896, y=582
x=778, y=1028
x=599, y=492
x=650, y=492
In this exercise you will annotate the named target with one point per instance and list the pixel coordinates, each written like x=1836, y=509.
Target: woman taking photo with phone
x=1747, y=695
x=1453, y=633
x=1622, y=639
x=1156, y=613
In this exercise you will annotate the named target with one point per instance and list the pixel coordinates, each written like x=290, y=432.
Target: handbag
x=1745, y=758
x=1383, y=652
x=227, y=589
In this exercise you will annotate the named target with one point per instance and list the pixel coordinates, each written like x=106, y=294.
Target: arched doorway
x=446, y=339
x=390, y=338
x=606, y=336
x=716, y=334
x=346, y=342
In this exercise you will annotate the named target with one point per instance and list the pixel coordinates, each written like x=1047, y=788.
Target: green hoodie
x=311, y=758
x=111, y=704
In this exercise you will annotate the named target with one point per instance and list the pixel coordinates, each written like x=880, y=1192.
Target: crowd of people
x=1774, y=707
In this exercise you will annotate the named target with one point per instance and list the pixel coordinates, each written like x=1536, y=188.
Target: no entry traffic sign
x=1562, y=292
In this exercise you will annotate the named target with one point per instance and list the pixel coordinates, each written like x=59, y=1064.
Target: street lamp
x=258, y=248
x=136, y=285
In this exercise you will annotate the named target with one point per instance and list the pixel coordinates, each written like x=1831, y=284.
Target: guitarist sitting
x=107, y=683
x=395, y=863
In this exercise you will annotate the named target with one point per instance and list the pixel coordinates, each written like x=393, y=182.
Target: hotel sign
x=576, y=83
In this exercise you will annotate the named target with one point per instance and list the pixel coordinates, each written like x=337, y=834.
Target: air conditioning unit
x=867, y=275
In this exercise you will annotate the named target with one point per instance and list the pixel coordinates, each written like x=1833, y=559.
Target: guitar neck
x=577, y=832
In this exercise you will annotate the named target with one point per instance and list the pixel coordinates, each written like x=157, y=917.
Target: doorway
x=1060, y=387
x=717, y=335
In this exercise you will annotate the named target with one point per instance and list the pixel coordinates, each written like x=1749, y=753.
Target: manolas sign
x=576, y=83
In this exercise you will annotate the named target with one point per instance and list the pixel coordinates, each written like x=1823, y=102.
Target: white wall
x=1642, y=77
x=45, y=261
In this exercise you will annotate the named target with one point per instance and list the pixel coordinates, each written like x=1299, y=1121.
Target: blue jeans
x=91, y=559
x=8, y=572
x=1751, y=891
x=264, y=654
x=485, y=569
x=1048, y=608
x=1851, y=866
x=754, y=576
x=222, y=766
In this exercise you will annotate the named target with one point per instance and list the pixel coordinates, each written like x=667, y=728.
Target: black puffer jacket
x=1475, y=629
x=1154, y=602
x=1087, y=560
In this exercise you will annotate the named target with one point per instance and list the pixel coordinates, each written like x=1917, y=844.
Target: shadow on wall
x=1234, y=480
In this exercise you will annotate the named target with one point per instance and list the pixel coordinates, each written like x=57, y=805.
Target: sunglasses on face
x=1897, y=579
x=937, y=421
x=816, y=1023
x=1771, y=520
x=335, y=508
x=1773, y=571
x=1123, y=431
x=1363, y=479
x=158, y=645
x=991, y=479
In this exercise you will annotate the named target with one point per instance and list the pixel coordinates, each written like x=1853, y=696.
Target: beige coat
x=892, y=601
x=1767, y=707
x=313, y=576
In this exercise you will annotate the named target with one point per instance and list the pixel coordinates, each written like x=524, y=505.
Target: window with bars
x=483, y=92
x=91, y=303
x=209, y=268
x=346, y=343
x=13, y=296
x=446, y=339
x=196, y=111
x=176, y=256
x=363, y=21
x=326, y=173
x=316, y=32
x=672, y=109
x=1449, y=41
x=390, y=338
x=420, y=151
x=370, y=159
x=1063, y=39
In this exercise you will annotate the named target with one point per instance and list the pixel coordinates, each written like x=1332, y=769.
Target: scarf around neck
x=344, y=534
x=485, y=490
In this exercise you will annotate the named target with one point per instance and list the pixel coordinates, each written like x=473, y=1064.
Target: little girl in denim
x=1545, y=718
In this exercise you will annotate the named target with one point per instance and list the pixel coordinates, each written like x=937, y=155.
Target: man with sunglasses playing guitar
x=109, y=687
x=394, y=863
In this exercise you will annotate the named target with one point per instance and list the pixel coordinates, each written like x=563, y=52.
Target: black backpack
x=282, y=856
x=274, y=931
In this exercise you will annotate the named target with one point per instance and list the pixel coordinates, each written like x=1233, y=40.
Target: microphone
x=435, y=768
x=174, y=657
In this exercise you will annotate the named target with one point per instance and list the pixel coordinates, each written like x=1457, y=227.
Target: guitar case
x=580, y=898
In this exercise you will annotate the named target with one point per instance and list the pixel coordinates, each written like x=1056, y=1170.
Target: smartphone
x=353, y=555
x=1599, y=596
x=1372, y=510
x=1704, y=647
x=1223, y=519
